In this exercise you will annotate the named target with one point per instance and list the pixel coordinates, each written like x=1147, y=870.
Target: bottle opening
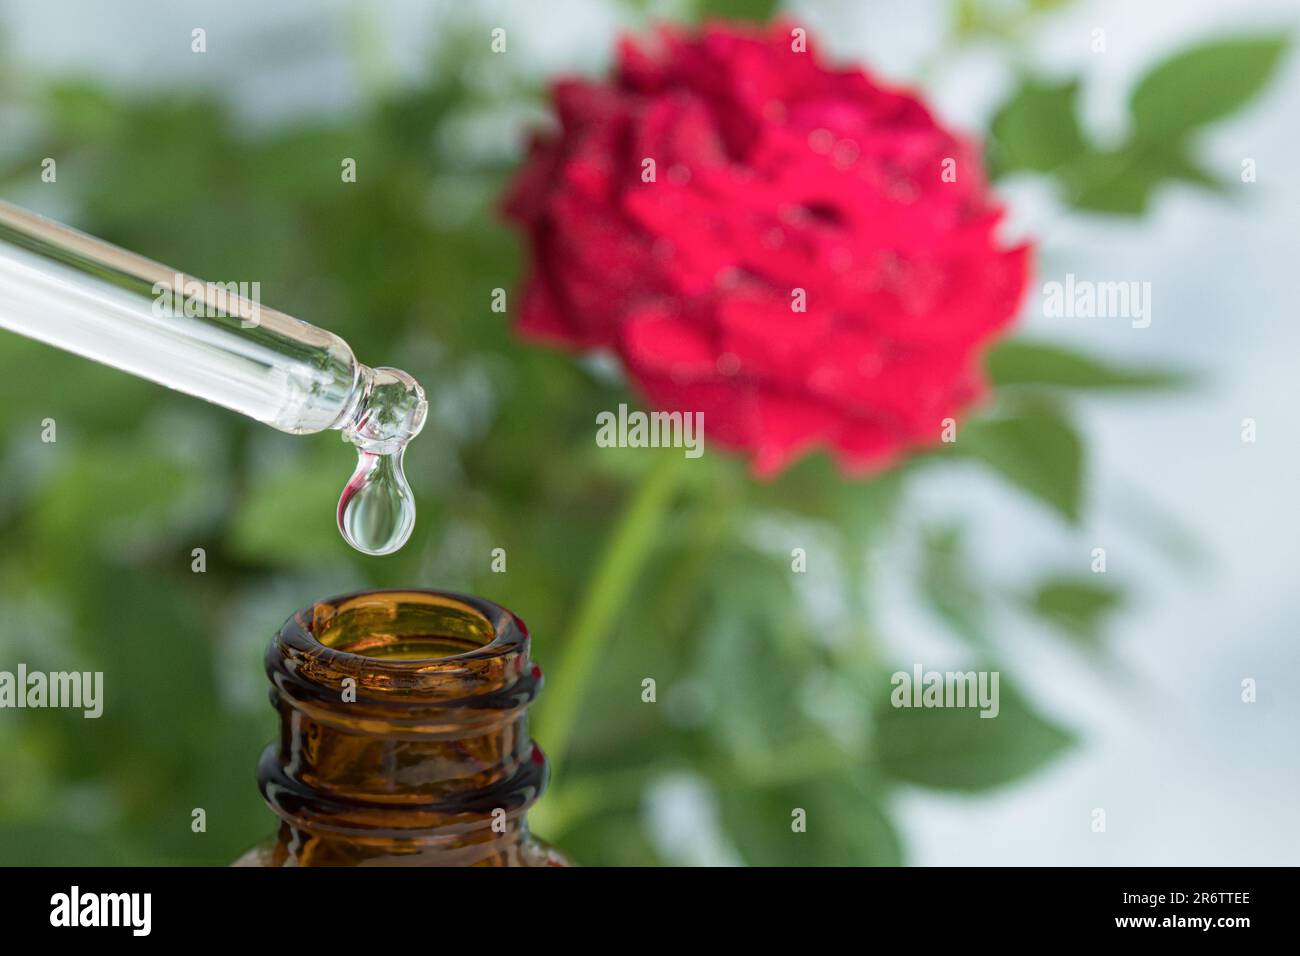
x=401, y=626
x=400, y=647
x=409, y=647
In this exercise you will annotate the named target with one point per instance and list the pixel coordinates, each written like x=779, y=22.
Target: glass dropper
x=217, y=342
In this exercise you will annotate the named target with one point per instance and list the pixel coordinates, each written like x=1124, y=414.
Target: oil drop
x=376, y=510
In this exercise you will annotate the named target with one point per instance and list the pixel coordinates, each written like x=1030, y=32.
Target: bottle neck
x=403, y=732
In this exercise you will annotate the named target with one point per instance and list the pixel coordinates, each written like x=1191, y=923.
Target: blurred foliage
x=773, y=690
x=1000, y=20
x=1024, y=362
x=1033, y=444
x=736, y=9
x=1037, y=129
x=1078, y=606
x=957, y=749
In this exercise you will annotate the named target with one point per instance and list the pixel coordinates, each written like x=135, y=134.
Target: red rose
x=774, y=182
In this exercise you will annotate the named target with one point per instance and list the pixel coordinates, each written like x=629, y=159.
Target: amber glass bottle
x=403, y=735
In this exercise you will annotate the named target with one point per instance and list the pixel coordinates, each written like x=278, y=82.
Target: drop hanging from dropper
x=376, y=510
x=217, y=342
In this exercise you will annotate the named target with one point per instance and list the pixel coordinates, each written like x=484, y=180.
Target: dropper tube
x=85, y=296
x=213, y=341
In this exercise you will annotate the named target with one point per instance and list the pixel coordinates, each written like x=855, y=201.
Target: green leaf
x=843, y=824
x=946, y=584
x=1021, y=362
x=957, y=749
x=757, y=10
x=1036, y=129
x=1079, y=606
x=1203, y=84
x=1035, y=448
x=973, y=19
x=1123, y=181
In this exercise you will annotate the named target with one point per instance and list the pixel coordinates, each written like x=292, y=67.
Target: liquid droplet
x=377, y=510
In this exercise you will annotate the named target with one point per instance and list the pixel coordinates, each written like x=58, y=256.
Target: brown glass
x=403, y=735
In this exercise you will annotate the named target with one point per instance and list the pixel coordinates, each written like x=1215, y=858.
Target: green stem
x=617, y=569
